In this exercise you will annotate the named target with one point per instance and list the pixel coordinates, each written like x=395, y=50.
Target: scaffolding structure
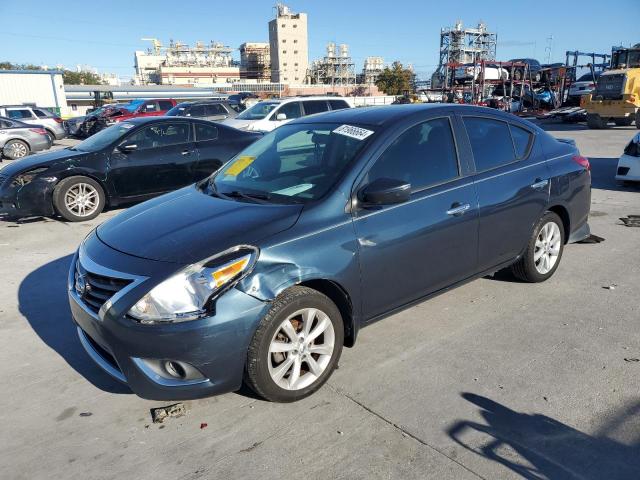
x=255, y=61
x=179, y=54
x=461, y=45
x=336, y=68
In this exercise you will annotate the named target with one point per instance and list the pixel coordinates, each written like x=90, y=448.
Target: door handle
x=539, y=183
x=186, y=152
x=457, y=209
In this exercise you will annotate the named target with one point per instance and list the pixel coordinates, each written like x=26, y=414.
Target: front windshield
x=104, y=137
x=293, y=164
x=178, y=111
x=258, y=111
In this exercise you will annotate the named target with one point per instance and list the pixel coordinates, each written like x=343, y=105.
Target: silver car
x=18, y=139
x=36, y=116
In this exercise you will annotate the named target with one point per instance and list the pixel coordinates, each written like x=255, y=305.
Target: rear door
x=512, y=181
x=215, y=111
x=212, y=150
x=411, y=249
x=164, y=159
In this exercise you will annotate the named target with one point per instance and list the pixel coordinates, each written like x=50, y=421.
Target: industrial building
x=43, y=88
x=181, y=64
x=289, y=46
x=373, y=67
x=255, y=62
x=463, y=45
x=336, y=68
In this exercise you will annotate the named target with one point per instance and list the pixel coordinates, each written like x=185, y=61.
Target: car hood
x=237, y=123
x=39, y=160
x=187, y=226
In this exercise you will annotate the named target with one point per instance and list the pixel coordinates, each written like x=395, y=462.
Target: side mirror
x=127, y=147
x=281, y=116
x=385, y=191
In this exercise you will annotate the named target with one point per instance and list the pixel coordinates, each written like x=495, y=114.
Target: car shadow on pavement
x=535, y=446
x=42, y=298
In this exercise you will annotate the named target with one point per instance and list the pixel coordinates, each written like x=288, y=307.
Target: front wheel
x=78, y=198
x=296, y=346
x=544, y=250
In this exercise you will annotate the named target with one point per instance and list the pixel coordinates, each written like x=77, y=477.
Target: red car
x=145, y=108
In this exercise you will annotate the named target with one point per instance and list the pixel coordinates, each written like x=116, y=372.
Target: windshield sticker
x=353, y=132
x=296, y=189
x=239, y=165
x=127, y=125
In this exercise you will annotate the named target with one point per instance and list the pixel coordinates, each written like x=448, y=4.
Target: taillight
x=582, y=161
x=57, y=119
x=41, y=131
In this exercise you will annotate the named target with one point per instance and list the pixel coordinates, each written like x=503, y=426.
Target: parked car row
x=19, y=139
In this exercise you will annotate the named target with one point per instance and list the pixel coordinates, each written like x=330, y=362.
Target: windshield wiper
x=259, y=197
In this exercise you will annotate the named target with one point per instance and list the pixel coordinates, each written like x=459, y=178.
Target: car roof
x=385, y=116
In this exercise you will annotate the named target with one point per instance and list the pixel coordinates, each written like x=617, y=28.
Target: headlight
x=188, y=294
x=26, y=177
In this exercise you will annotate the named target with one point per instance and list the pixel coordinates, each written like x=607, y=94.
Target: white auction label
x=353, y=132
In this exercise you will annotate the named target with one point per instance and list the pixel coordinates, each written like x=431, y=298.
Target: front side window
x=150, y=107
x=490, y=142
x=160, y=135
x=291, y=110
x=422, y=156
x=19, y=114
x=258, y=111
x=294, y=163
x=314, y=106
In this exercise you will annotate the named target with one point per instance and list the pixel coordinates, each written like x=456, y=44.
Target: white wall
x=42, y=89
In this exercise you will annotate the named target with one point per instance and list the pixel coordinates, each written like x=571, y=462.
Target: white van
x=267, y=115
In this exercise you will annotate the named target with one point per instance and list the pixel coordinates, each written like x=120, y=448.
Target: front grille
x=94, y=290
x=611, y=87
x=623, y=170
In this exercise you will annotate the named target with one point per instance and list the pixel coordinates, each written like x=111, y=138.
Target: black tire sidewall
x=63, y=186
x=258, y=370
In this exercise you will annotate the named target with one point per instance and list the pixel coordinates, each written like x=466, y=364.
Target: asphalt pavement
x=496, y=379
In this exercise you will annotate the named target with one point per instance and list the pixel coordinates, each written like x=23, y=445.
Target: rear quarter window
x=522, y=140
x=490, y=142
x=315, y=106
x=338, y=104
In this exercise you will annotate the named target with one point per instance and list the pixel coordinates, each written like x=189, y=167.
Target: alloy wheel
x=82, y=199
x=17, y=150
x=301, y=349
x=547, y=248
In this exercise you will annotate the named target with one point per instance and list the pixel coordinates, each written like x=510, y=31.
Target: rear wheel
x=52, y=137
x=638, y=119
x=296, y=346
x=623, y=121
x=15, y=149
x=544, y=250
x=595, y=121
x=78, y=198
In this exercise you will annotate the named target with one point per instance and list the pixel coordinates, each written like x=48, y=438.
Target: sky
x=104, y=34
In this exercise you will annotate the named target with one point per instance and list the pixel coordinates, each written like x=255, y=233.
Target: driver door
x=154, y=159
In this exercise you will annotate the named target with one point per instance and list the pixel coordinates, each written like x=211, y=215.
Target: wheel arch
x=563, y=213
x=19, y=139
x=69, y=174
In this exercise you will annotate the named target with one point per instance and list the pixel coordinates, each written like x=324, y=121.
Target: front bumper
x=33, y=199
x=215, y=346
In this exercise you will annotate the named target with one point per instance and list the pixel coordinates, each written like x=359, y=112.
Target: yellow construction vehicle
x=617, y=93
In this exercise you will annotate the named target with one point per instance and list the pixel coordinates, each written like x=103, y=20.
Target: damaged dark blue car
x=262, y=272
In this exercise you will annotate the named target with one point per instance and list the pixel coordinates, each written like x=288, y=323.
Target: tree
x=68, y=77
x=396, y=80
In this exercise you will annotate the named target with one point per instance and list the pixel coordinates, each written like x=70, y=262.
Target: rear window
x=587, y=78
x=165, y=105
x=338, y=104
x=490, y=142
x=315, y=106
x=43, y=113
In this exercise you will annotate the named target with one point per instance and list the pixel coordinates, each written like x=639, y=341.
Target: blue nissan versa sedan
x=263, y=271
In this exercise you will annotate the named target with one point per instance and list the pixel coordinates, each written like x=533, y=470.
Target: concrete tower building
x=289, y=46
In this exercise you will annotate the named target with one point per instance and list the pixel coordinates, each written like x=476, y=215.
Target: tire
x=15, y=149
x=261, y=371
x=623, y=121
x=52, y=137
x=638, y=119
x=89, y=205
x=595, y=121
x=532, y=270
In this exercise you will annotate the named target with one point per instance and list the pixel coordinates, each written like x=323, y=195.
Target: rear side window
x=490, y=142
x=215, y=109
x=42, y=113
x=291, y=110
x=521, y=140
x=150, y=107
x=314, y=106
x=338, y=104
x=424, y=155
x=206, y=132
x=196, y=111
x=165, y=105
